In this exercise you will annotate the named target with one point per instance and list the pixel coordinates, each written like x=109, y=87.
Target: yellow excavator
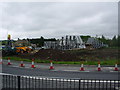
x=23, y=49
x=9, y=50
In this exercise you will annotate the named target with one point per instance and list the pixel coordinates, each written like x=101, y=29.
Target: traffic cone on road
x=116, y=68
x=82, y=68
x=22, y=65
x=99, y=67
x=51, y=65
x=9, y=63
x=1, y=61
x=32, y=66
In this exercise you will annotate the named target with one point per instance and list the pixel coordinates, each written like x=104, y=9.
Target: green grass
x=105, y=62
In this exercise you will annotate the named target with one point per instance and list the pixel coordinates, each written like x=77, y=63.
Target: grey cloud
x=57, y=19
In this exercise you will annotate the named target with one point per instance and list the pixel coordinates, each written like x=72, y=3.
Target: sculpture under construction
x=66, y=43
x=95, y=43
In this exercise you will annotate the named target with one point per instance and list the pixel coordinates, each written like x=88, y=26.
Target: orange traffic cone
x=82, y=68
x=1, y=61
x=21, y=65
x=32, y=66
x=116, y=68
x=99, y=67
x=9, y=63
x=51, y=65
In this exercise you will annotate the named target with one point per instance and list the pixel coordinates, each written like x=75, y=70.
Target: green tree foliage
x=52, y=39
x=118, y=39
x=114, y=42
x=4, y=42
x=40, y=41
x=85, y=38
x=104, y=40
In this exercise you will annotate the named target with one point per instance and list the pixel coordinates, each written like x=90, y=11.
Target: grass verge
x=105, y=62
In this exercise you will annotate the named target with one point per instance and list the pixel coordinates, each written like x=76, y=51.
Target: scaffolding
x=96, y=43
x=66, y=43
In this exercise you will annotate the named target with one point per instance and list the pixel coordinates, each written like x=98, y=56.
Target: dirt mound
x=57, y=55
x=73, y=55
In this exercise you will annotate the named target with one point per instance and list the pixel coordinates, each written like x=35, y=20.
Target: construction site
x=21, y=64
x=59, y=45
x=68, y=48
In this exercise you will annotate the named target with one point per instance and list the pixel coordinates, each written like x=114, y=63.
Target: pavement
x=63, y=67
x=60, y=74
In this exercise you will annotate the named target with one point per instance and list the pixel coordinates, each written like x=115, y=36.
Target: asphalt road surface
x=60, y=74
x=43, y=78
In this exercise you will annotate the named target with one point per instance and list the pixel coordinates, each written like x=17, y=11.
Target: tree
x=103, y=37
x=118, y=41
x=85, y=38
x=114, y=41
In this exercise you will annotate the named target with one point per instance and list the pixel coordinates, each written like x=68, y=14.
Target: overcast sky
x=36, y=19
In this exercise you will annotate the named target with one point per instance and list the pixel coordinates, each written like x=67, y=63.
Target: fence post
x=18, y=82
x=79, y=83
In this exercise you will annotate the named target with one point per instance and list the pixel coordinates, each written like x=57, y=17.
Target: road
x=34, y=78
x=61, y=74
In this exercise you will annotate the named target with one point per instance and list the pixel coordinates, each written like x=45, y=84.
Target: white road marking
x=20, y=67
x=59, y=70
x=76, y=70
x=70, y=70
x=110, y=67
x=114, y=71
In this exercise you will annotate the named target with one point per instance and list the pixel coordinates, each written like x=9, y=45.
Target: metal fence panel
x=11, y=82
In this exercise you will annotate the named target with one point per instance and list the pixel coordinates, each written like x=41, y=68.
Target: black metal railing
x=11, y=82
